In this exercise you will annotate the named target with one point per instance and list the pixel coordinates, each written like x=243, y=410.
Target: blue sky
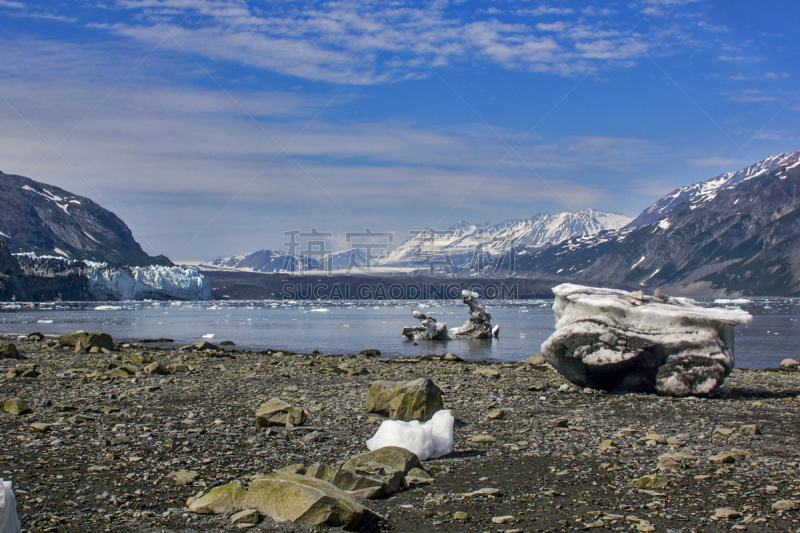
x=211, y=127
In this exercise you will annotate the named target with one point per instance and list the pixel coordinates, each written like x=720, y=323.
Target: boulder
x=16, y=406
x=353, y=483
x=305, y=500
x=393, y=457
x=9, y=351
x=412, y=400
x=534, y=360
x=87, y=340
x=276, y=412
x=156, y=368
x=183, y=477
x=223, y=499
x=618, y=341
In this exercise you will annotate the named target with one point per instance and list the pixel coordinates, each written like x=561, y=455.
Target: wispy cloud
x=365, y=43
x=752, y=96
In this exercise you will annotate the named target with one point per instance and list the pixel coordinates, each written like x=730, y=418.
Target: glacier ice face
x=118, y=282
x=630, y=342
x=136, y=283
x=431, y=439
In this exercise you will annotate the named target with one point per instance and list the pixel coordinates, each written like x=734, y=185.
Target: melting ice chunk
x=434, y=438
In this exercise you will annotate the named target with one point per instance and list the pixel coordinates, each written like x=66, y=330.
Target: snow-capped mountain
x=457, y=247
x=705, y=191
x=269, y=261
x=47, y=220
x=50, y=277
x=464, y=239
x=737, y=237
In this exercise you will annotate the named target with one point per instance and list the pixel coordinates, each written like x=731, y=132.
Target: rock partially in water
x=479, y=325
x=629, y=342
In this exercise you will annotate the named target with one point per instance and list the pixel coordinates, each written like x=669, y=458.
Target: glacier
x=106, y=281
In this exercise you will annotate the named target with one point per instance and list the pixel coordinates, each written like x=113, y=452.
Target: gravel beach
x=109, y=446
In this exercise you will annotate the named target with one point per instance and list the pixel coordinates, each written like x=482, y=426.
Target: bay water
x=347, y=327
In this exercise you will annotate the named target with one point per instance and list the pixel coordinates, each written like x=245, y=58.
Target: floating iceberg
x=628, y=342
x=479, y=325
x=432, y=439
x=428, y=330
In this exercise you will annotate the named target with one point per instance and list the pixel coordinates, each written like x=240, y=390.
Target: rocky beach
x=119, y=437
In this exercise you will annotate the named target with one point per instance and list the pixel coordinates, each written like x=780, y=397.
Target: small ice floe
x=107, y=308
x=432, y=439
x=732, y=301
x=209, y=336
x=43, y=321
x=9, y=521
x=318, y=310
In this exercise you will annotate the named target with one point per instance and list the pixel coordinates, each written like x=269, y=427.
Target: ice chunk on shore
x=433, y=439
x=9, y=521
x=630, y=342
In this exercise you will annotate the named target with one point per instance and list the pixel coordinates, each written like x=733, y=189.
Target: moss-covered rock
x=9, y=351
x=87, y=340
x=223, y=499
x=391, y=456
x=305, y=500
x=276, y=412
x=412, y=400
x=16, y=406
x=355, y=484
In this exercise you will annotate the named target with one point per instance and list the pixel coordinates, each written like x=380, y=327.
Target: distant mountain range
x=736, y=234
x=40, y=218
x=456, y=247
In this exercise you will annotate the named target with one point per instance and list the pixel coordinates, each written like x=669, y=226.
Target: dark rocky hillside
x=36, y=217
x=742, y=241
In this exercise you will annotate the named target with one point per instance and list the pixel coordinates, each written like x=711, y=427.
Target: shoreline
x=562, y=460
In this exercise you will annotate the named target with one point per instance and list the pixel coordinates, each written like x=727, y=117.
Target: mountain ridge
x=734, y=240
x=47, y=220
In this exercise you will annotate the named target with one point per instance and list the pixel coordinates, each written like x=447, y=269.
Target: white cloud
x=365, y=43
x=155, y=152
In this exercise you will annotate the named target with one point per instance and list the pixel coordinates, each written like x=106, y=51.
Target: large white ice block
x=9, y=521
x=434, y=438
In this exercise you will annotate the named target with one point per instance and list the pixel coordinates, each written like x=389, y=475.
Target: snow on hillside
x=705, y=191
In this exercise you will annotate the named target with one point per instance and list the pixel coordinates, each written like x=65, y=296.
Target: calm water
x=349, y=327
